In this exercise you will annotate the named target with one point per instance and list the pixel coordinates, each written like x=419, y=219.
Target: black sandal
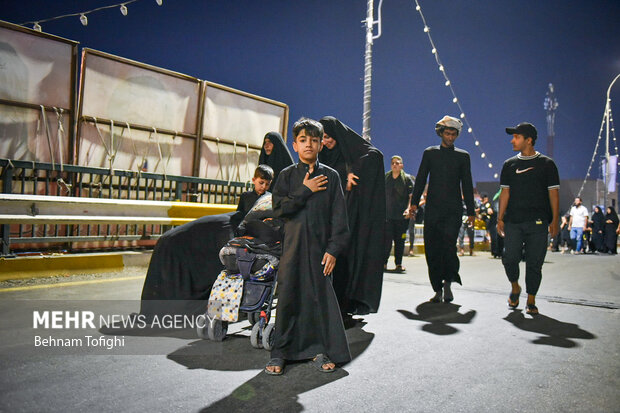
x=320, y=360
x=531, y=309
x=513, y=299
x=275, y=363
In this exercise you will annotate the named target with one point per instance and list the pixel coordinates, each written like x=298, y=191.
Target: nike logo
x=520, y=171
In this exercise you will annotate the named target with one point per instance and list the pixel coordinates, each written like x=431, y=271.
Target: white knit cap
x=448, y=122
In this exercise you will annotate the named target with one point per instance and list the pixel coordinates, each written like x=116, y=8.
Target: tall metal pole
x=367, y=71
x=551, y=104
x=370, y=22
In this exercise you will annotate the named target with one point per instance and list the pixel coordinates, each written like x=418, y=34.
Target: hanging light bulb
x=159, y=2
x=441, y=68
x=83, y=19
x=462, y=116
x=477, y=143
x=483, y=155
x=496, y=176
x=470, y=130
x=454, y=100
x=36, y=26
x=426, y=29
x=447, y=83
x=434, y=51
x=417, y=7
x=490, y=165
x=123, y=10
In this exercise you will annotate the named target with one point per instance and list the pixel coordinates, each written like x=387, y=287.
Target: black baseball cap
x=524, y=128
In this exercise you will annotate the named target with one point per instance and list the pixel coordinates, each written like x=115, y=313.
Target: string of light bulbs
x=36, y=24
x=600, y=137
x=448, y=84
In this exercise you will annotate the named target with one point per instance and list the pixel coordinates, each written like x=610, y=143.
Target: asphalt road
x=473, y=355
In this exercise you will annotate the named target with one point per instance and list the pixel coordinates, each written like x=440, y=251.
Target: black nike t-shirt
x=529, y=179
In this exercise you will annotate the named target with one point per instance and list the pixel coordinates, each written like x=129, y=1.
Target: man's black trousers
x=396, y=231
x=440, y=234
x=533, y=237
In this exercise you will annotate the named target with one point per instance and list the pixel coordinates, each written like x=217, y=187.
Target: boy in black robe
x=263, y=177
x=308, y=196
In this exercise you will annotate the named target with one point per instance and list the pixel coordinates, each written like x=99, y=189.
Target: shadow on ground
x=439, y=316
x=264, y=392
x=554, y=332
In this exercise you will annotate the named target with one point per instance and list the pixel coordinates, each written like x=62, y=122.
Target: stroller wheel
x=254, y=317
x=217, y=329
x=268, y=335
x=256, y=337
x=201, y=328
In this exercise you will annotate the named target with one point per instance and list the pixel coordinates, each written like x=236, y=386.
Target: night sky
x=500, y=56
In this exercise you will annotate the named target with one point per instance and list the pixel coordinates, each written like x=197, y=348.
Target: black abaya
x=598, y=230
x=308, y=320
x=611, y=238
x=279, y=158
x=184, y=266
x=358, y=277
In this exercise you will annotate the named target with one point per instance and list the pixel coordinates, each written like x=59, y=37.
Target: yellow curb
x=58, y=265
x=70, y=284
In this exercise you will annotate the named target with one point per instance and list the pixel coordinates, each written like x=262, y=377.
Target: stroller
x=247, y=285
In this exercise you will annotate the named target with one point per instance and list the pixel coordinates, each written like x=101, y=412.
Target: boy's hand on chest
x=316, y=184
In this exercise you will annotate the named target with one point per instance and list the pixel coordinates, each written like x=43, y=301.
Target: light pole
x=370, y=22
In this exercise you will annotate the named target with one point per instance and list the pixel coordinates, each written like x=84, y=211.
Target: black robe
x=308, y=320
x=449, y=185
x=184, y=265
x=280, y=157
x=611, y=238
x=598, y=230
x=358, y=277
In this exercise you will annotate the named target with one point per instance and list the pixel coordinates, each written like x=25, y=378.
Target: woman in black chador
x=598, y=229
x=359, y=270
x=611, y=225
x=275, y=154
x=184, y=265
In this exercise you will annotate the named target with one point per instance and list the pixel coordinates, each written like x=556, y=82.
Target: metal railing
x=38, y=178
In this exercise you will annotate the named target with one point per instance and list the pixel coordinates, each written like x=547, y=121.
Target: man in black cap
x=528, y=211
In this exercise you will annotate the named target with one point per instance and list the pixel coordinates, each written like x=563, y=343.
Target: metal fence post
x=7, y=187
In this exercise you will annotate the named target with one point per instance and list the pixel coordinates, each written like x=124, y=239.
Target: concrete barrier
x=43, y=209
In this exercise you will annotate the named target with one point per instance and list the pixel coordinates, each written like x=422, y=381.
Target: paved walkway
x=474, y=355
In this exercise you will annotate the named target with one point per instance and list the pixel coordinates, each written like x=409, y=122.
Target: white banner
x=120, y=91
x=613, y=172
x=239, y=118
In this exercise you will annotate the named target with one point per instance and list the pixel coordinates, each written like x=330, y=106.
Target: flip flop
x=513, y=299
x=319, y=361
x=531, y=309
x=275, y=363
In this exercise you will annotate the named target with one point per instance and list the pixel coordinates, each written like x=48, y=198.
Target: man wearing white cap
x=449, y=184
x=528, y=210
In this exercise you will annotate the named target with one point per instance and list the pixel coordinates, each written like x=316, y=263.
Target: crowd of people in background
x=579, y=233
x=582, y=233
